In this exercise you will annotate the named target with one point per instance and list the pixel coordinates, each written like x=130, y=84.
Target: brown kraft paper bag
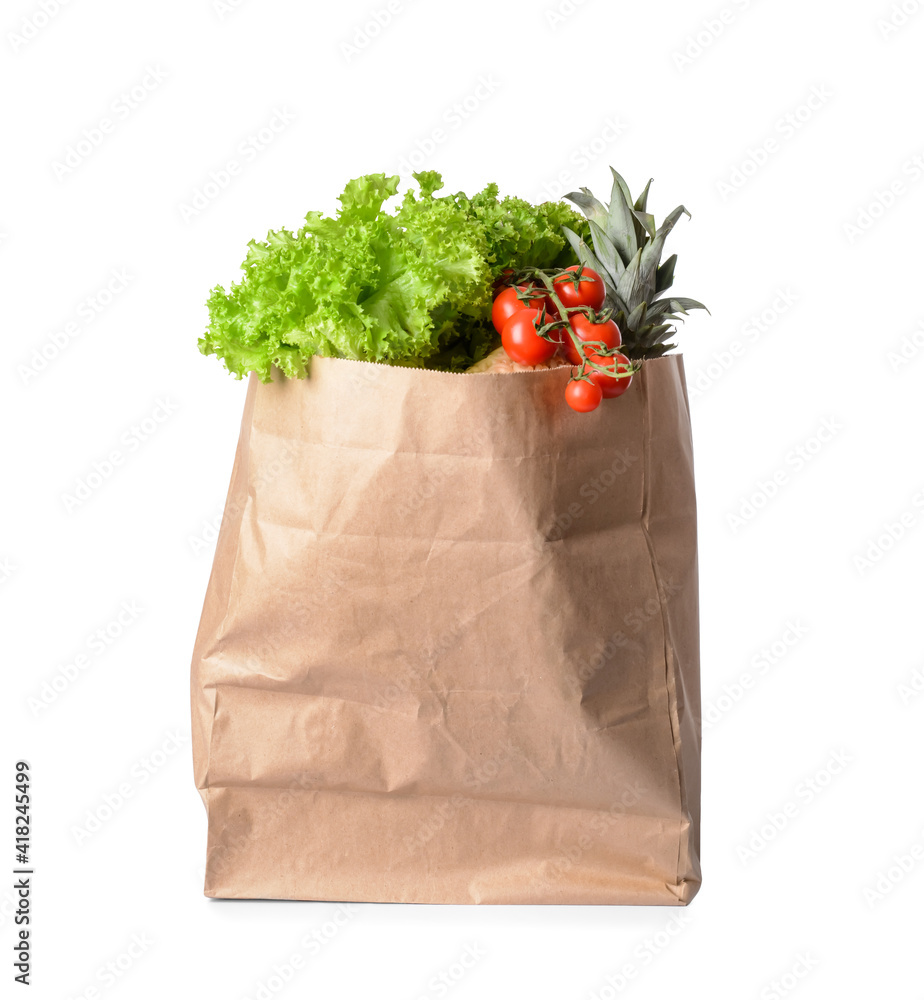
x=449, y=651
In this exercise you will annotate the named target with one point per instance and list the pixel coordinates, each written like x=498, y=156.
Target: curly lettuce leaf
x=410, y=287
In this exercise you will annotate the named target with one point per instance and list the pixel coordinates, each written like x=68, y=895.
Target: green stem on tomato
x=565, y=312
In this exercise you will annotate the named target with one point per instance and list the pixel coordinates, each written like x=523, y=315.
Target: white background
x=607, y=79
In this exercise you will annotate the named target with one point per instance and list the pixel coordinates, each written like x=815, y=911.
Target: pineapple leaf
x=652, y=252
x=621, y=223
x=588, y=204
x=589, y=260
x=619, y=318
x=660, y=350
x=641, y=204
x=662, y=307
x=572, y=237
x=615, y=302
x=660, y=333
x=606, y=252
x=648, y=222
x=630, y=287
x=619, y=182
x=649, y=342
x=665, y=275
x=646, y=344
x=627, y=247
x=612, y=299
x=682, y=305
x=636, y=318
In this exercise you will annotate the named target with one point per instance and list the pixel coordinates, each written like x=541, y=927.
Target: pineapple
x=627, y=255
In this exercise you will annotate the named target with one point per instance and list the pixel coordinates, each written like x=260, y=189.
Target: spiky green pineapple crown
x=627, y=255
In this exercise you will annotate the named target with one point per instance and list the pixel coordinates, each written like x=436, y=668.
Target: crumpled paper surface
x=449, y=651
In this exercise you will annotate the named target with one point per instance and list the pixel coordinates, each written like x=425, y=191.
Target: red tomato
x=582, y=395
x=560, y=335
x=584, y=293
x=506, y=304
x=522, y=343
x=544, y=300
x=609, y=386
x=586, y=331
x=501, y=279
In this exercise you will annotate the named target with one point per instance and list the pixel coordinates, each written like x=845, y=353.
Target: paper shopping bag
x=449, y=647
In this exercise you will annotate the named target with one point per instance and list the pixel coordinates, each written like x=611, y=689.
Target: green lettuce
x=412, y=287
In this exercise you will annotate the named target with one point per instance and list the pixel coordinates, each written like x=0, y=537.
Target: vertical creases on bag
x=670, y=673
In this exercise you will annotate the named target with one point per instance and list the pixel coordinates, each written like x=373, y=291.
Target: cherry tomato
x=609, y=386
x=582, y=395
x=559, y=335
x=501, y=279
x=522, y=343
x=506, y=304
x=584, y=293
x=586, y=331
x=544, y=300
